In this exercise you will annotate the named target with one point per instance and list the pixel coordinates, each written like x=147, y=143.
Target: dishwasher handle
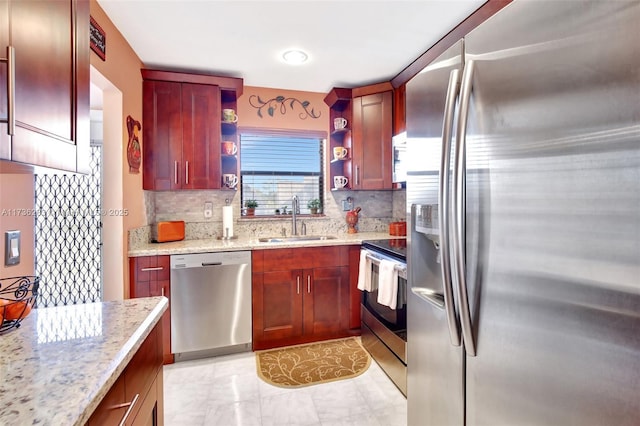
x=211, y=263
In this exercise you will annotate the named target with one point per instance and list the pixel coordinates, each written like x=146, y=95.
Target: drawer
x=151, y=268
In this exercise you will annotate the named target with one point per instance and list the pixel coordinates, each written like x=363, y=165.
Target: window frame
x=276, y=132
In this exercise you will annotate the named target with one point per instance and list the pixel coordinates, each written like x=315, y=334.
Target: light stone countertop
x=59, y=364
x=246, y=243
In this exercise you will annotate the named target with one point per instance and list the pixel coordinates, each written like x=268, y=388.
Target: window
x=275, y=167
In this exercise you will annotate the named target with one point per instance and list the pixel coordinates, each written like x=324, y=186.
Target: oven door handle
x=400, y=267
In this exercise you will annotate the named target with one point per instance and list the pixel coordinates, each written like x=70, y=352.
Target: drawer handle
x=308, y=283
x=186, y=173
x=175, y=172
x=298, y=284
x=156, y=268
x=129, y=409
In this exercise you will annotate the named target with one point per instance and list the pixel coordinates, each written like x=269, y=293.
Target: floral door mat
x=314, y=363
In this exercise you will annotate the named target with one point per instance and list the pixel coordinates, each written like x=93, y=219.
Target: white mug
x=340, y=181
x=229, y=116
x=339, y=123
x=229, y=148
x=339, y=152
x=229, y=180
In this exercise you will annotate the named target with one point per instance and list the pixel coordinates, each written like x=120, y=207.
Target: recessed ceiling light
x=295, y=57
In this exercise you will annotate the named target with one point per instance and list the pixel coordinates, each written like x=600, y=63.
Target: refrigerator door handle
x=459, y=209
x=443, y=201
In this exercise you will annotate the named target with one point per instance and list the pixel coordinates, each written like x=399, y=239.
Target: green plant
x=251, y=204
x=314, y=204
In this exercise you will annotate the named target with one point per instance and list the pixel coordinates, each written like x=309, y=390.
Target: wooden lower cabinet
x=301, y=295
x=150, y=276
x=137, y=395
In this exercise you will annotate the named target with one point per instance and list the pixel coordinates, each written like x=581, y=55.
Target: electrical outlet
x=208, y=209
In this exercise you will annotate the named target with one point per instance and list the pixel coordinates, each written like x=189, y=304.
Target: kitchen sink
x=296, y=238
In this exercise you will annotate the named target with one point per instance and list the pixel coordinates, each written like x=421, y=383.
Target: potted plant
x=251, y=207
x=314, y=205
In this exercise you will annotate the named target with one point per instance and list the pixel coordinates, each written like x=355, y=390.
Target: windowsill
x=284, y=217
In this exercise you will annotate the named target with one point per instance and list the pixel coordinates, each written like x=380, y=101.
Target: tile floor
x=226, y=391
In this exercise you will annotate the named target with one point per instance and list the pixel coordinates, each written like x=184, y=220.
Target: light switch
x=12, y=248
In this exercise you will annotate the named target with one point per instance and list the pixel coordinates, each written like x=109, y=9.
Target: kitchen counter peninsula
x=61, y=362
x=247, y=243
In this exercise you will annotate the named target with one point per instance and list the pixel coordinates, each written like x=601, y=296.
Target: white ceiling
x=350, y=42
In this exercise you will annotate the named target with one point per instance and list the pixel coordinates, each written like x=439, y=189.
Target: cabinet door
x=5, y=140
x=162, y=135
x=277, y=306
x=151, y=276
x=326, y=300
x=201, y=136
x=372, y=150
x=51, y=83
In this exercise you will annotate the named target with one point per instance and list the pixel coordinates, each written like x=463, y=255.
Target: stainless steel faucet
x=294, y=215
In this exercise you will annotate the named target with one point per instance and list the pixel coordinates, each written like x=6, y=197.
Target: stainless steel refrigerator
x=523, y=199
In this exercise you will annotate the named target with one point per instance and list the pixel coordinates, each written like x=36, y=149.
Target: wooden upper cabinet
x=372, y=150
x=181, y=129
x=201, y=136
x=399, y=110
x=161, y=135
x=51, y=50
x=181, y=135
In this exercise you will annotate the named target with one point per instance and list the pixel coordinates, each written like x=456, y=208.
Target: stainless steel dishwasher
x=210, y=304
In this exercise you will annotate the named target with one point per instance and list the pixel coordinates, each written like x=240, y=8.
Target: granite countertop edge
x=124, y=356
x=248, y=243
x=58, y=366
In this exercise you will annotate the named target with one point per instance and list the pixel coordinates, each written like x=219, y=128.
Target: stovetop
x=395, y=247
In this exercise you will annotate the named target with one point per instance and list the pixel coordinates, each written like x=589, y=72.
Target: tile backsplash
x=378, y=209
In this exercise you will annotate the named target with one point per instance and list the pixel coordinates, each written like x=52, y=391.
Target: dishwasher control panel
x=200, y=260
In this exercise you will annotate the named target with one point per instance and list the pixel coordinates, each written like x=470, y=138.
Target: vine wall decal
x=280, y=102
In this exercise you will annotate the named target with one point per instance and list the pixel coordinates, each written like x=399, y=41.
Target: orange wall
x=16, y=192
x=289, y=118
x=122, y=69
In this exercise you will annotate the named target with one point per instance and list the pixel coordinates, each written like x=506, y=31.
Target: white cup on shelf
x=340, y=181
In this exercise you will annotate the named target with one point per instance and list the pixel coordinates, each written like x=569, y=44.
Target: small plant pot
x=251, y=211
x=314, y=210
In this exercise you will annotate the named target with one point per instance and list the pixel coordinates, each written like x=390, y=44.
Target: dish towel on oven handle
x=364, y=272
x=388, y=284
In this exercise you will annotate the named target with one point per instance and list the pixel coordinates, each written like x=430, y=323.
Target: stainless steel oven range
x=384, y=324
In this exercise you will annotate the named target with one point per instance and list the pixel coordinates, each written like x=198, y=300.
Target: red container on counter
x=398, y=229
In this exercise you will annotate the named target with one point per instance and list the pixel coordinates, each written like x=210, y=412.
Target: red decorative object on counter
x=352, y=220
x=398, y=228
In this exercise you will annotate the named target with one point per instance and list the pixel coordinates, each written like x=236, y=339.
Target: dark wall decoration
x=97, y=39
x=281, y=103
x=133, y=146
